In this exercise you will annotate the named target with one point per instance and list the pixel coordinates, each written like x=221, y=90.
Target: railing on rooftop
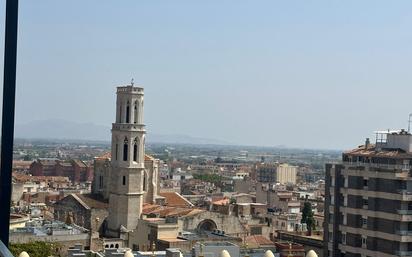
x=379, y=165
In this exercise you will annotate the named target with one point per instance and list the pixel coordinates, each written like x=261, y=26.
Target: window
x=128, y=113
x=120, y=114
x=135, y=150
x=117, y=150
x=364, y=221
x=124, y=180
x=125, y=149
x=365, y=203
x=343, y=238
x=144, y=181
x=364, y=241
x=135, y=112
x=365, y=183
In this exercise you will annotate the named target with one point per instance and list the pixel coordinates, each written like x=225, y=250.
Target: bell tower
x=127, y=174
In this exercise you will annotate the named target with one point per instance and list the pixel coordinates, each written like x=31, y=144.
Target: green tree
x=35, y=249
x=307, y=217
x=232, y=200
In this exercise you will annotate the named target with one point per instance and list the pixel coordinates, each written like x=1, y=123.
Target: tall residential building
x=276, y=173
x=368, y=199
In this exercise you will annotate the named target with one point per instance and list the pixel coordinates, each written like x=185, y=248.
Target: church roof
x=167, y=211
x=174, y=199
x=90, y=201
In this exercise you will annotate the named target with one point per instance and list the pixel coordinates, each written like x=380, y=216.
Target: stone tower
x=128, y=156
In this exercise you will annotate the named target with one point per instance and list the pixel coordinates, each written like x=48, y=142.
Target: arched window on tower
x=144, y=181
x=125, y=149
x=128, y=112
x=135, y=150
x=120, y=113
x=135, y=112
x=116, y=151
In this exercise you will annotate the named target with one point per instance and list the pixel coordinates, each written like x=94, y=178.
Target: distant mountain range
x=63, y=129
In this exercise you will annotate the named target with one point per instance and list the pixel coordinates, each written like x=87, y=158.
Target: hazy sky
x=318, y=74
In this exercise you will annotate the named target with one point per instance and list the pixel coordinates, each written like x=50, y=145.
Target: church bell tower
x=128, y=154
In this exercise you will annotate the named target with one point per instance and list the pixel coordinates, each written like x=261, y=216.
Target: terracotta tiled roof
x=174, y=199
x=150, y=208
x=167, y=211
x=148, y=158
x=21, y=163
x=80, y=163
x=104, y=156
x=371, y=150
x=257, y=241
x=23, y=178
x=221, y=202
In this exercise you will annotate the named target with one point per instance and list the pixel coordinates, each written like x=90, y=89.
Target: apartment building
x=276, y=173
x=368, y=199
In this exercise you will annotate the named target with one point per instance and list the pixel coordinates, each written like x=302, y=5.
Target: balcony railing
x=379, y=165
x=404, y=232
x=404, y=192
x=403, y=253
x=404, y=212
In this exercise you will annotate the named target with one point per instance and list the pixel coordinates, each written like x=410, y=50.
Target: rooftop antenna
x=409, y=123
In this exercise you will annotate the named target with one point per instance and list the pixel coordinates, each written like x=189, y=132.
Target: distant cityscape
x=137, y=198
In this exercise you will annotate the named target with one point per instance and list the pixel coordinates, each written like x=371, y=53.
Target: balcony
x=403, y=253
x=404, y=232
x=380, y=166
x=404, y=212
x=404, y=192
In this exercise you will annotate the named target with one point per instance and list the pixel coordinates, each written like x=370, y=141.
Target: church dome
x=269, y=253
x=128, y=254
x=224, y=253
x=311, y=253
